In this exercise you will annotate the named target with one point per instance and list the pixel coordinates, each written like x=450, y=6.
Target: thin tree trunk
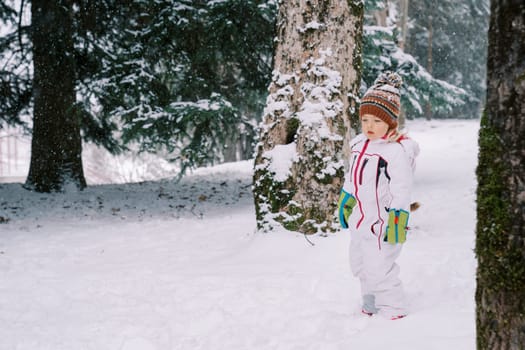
x=381, y=16
x=309, y=115
x=500, y=241
x=403, y=25
x=428, y=107
x=56, y=144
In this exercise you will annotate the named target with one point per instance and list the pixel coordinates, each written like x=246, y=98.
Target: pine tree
x=421, y=88
x=309, y=115
x=500, y=241
x=184, y=78
x=15, y=67
x=187, y=78
x=40, y=77
x=447, y=37
x=89, y=21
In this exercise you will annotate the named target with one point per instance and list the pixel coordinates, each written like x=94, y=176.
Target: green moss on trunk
x=501, y=268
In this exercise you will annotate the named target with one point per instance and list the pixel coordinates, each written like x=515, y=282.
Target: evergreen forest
x=188, y=79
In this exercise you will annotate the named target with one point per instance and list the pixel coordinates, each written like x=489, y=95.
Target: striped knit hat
x=383, y=99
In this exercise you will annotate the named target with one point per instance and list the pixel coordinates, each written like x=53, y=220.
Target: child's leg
x=358, y=270
x=356, y=255
x=369, y=304
x=382, y=278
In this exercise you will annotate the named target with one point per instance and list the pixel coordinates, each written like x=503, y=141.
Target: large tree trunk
x=500, y=241
x=56, y=145
x=310, y=112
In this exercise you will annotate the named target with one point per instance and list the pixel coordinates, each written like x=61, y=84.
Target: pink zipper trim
x=380, y=219
x=356, y=190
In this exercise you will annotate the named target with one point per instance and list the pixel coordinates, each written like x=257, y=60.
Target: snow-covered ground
x=164, y=265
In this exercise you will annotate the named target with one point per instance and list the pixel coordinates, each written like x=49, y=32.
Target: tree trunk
x=403, y=24
x=381, y=16
x=56, y=144
x=428, y=107
x=309, y=115
x=500, y=241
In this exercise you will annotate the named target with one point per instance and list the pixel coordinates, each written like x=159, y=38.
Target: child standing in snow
x=375, y=200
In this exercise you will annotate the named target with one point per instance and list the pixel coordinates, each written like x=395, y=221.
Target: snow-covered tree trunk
x=500, y=241
x=309, y=115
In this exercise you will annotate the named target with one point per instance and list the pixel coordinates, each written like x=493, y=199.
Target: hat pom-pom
x=389, y=78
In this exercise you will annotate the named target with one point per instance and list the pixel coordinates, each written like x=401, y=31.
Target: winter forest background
x=173, y=85
x=169, y=172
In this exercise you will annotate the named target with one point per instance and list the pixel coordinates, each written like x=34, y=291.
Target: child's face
x=373, y=127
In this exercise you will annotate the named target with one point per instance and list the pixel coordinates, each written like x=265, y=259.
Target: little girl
x=375, y=200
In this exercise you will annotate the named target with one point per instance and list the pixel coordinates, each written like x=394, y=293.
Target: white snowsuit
x=380, y=179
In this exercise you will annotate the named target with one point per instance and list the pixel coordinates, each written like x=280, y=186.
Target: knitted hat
x=382, y=99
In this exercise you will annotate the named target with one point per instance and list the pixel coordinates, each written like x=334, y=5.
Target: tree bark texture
x=309, y=115
x=56, y=144
x=500, y=240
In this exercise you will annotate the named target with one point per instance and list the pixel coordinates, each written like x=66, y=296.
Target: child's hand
x=345, y=205
x=396, y=231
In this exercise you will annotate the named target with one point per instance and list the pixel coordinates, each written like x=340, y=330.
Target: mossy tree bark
x=309, y=115
x=56, y=146
x=500, y=241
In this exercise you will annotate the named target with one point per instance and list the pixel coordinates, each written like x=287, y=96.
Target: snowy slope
x=160, y=265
